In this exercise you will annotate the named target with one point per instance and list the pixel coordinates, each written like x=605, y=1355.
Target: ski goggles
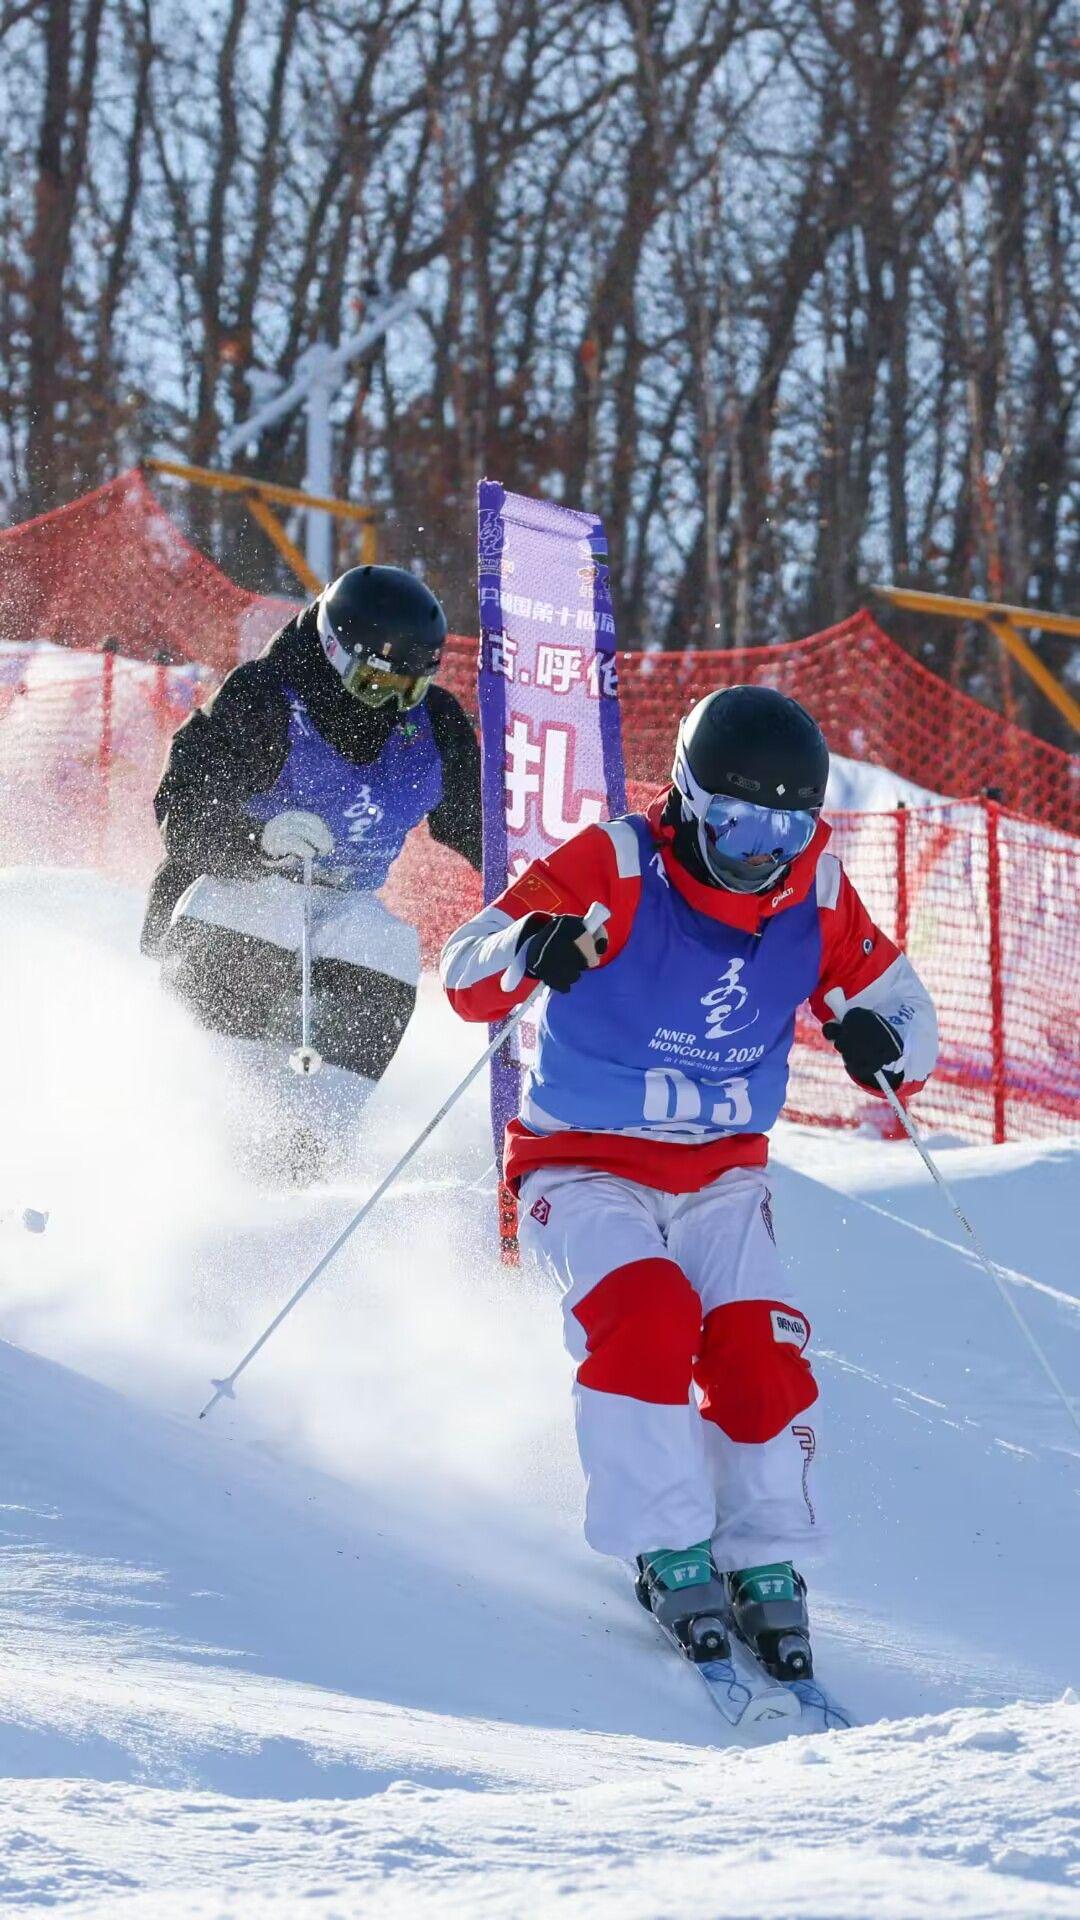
x=377, y=686
x=368, y=679
x=746, y=847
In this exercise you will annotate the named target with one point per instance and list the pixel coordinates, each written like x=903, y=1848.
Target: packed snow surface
x=859, y=786
x=340, y=1648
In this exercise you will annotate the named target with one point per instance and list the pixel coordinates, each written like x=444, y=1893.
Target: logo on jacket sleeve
x=789, y=1328
x=540, y=1211
x=535, y=893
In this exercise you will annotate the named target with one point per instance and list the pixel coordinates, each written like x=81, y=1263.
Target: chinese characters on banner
x=549, y=710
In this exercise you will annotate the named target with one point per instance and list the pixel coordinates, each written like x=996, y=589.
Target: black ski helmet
x=761, y=748
x=756, y=744
x=382, y=631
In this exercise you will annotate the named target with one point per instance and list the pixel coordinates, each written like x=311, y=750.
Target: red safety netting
x=985, y=903
x=873, y=701
x=112, y=627
x=112, y=569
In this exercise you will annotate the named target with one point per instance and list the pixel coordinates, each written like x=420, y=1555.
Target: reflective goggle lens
x=745, y=847
x=375, y=687
x=745, y=832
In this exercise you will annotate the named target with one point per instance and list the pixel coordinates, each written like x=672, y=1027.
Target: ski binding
x=737, y=1686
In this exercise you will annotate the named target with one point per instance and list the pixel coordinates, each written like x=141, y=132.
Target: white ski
x=742, y=1691
x=819, y=1710
x=748, y=1696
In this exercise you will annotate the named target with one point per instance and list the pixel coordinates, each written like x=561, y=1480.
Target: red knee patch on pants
x=643, y=1325
x=751, y=1369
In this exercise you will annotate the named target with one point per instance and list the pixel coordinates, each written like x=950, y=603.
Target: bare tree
x=781, y=287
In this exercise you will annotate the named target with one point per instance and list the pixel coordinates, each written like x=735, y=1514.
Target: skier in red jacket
x=640, y=1150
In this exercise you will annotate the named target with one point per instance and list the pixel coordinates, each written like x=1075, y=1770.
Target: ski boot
x=685, y=1595
x=767, y=1607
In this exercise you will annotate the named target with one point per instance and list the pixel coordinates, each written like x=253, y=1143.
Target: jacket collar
x=747, y=911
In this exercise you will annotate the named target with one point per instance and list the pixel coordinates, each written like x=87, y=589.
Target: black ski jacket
x=237, y=744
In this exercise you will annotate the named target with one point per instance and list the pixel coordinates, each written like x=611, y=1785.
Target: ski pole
x=306, y=1058
x=984, y=1261
x=225, y=1389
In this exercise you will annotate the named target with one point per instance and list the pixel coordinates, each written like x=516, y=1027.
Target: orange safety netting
x=112, y=627
x=985, y=903
x=873, y=701
x=113, y=570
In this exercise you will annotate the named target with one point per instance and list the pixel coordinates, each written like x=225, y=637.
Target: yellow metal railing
x=258, y=495
x=1004, y=623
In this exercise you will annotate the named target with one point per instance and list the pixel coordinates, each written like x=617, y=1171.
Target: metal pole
x=319, y=541
x=225, y=1389
x=305, y=959
x=991, y=815
x=317, y=376
x=985, y=1263
x=901, y=875
x=306, y=1060
x=1004, y=622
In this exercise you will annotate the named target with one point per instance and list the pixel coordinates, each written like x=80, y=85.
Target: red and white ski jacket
x=483, y=973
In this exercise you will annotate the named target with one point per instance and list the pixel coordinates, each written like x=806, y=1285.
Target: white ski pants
x=694, y=1402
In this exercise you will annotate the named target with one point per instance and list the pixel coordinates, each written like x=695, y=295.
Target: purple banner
x=549, y=706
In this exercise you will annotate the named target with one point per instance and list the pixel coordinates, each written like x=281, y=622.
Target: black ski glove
x=867, y=1045
x=553, y=955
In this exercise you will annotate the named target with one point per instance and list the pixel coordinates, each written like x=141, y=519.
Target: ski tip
x=766, y=1707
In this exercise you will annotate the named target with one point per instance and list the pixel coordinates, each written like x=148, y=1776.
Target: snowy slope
x=342, y=1643
x=859, y=786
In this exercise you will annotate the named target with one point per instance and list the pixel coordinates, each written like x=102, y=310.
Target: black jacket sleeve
x=219, y=758
x=457, y=821
x=222, y=754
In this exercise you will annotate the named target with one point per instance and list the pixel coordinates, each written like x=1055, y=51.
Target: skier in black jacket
x=329, y=748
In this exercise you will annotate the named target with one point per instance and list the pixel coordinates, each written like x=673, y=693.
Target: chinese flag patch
x=535, y=893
